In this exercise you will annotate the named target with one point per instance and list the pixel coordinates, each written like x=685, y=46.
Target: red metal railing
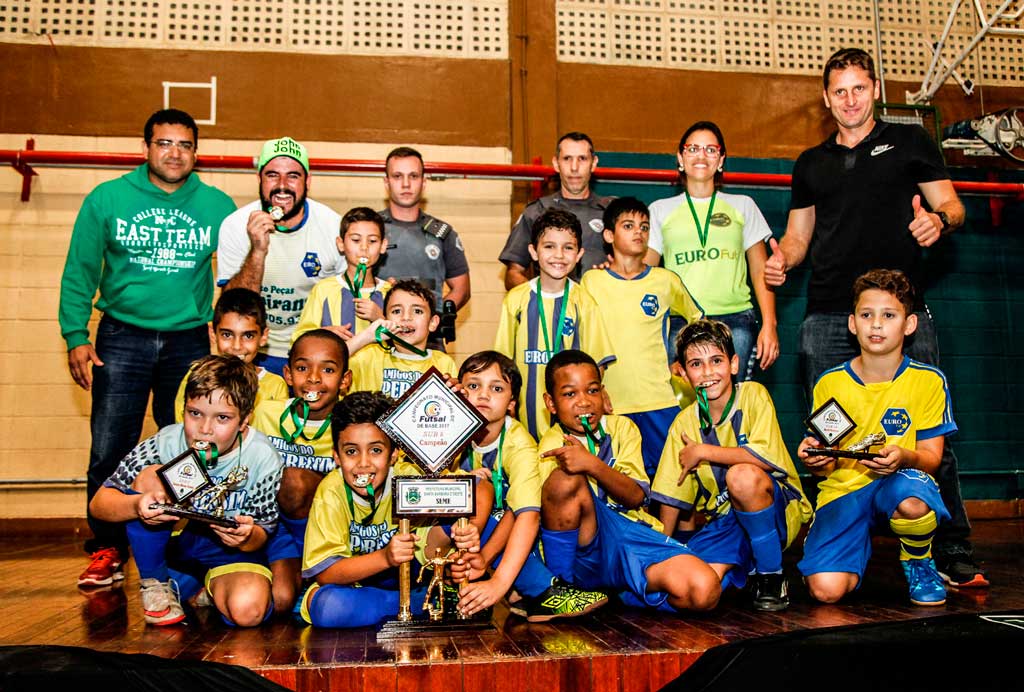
x=26, y=160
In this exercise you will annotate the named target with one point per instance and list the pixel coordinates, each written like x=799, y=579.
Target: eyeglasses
x=711, y=150
x=166, y=144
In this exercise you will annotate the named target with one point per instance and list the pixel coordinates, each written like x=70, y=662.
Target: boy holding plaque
x=347, y=304
x=595, y=531
x=352, y=547
x=641, y=298
x=908, y=402
x=400, y=356
x=549, y=313
x=239, y=328
x=230, y=562
x=725, y=458
x=300, y=428
x=506, y=455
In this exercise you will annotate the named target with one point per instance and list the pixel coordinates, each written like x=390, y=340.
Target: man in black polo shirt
x=574, y=161
x=870, y=196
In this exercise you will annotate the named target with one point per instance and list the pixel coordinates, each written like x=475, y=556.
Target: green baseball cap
x=285, y=146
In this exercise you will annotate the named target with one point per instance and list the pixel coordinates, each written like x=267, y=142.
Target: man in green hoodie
x=145, y=240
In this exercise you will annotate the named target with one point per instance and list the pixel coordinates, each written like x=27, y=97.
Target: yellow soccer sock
x=915, y=536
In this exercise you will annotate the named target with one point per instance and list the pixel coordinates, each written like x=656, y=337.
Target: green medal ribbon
x=499, y=487
x=383, y=334
x=559, y=326
x=702, y=233
x=591, y=436
x=207, y=457
x=704, y=408
x=352, y=506
x=356, y=284
x=299, y=422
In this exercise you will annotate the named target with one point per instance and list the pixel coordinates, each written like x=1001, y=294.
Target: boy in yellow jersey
x=549, y=313
x=595, y=531
x=239, y=328
x=231, y=563
x=300, y=428
x=353, y=548
x=641, y=299
x=347, y=304
x=401, y=355
x=506, y=455
x=725, y=458
x=885, y=392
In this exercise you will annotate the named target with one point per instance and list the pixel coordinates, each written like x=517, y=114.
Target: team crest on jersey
x=596, y=225
x=433, y=251
x=895, y=421
x=721, y=220
x=311, y=264
x=568, y=327
x=649, y=304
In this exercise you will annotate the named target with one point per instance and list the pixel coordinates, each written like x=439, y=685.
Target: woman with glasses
x=712, y=239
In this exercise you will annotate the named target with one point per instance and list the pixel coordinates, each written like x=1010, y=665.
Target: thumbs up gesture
x=690, y=455
x=775, y=265
x=926, y=227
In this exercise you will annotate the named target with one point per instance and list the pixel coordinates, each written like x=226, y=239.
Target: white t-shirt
x=296, y=261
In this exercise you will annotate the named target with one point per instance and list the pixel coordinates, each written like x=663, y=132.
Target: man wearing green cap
x=280, y=245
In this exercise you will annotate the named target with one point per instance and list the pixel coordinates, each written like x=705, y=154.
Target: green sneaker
x=560, y=600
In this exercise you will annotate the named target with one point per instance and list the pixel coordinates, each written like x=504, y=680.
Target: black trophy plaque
x=830, y=423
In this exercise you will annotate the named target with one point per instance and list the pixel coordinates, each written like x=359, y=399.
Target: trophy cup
x=192, y=491
x=830, y=423
x=432, y=424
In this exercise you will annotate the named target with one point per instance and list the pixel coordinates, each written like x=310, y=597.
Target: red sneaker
x=104, y=569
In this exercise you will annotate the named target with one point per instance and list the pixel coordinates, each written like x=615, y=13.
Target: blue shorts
x=654, y=427
x=620, y=554
x=724, y=542
x=840, y=536
x=274, y=364
x=282, y=545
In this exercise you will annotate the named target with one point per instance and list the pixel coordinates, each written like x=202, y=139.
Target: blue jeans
x=744, y=337
x=135, y=362
x=826, y=341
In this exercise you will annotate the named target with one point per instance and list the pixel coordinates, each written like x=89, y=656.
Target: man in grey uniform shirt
x=420, y=246
x=574, y=161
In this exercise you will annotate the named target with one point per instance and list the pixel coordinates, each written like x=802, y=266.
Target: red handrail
x=24, y=160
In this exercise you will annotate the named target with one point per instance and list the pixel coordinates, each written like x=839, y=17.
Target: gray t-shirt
x=589, y=211
x=428, y=250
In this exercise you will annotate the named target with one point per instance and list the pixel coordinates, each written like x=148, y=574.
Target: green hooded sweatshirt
x=148, y=252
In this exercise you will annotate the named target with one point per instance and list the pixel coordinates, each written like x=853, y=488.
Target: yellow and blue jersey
x=640, y=380
x=272, y=387
x=517, y=454
x=375, y=369
x=619, y=449
x=751, y=425
x=332, y=304
x=304, y=453
x=520, y=337
x=914, y=405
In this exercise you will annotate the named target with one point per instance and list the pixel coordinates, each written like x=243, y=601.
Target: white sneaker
x=160, y=604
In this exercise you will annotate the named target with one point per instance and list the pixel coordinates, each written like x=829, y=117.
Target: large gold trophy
x=432, y=424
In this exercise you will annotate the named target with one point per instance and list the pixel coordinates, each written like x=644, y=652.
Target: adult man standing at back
x=280, y=245
x=574, y=161
x=145, y=240
x=420, y=246
x=872, y=195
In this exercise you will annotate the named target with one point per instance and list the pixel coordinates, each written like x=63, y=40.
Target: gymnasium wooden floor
x=616, y=649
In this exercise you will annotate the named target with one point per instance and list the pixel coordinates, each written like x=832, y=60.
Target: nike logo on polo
x=881, y=149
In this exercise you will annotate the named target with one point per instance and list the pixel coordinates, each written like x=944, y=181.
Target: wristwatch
x=945, y=221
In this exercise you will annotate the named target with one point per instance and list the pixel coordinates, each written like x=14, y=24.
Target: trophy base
x=840, y=453
x=226, y=522
x=424, y=627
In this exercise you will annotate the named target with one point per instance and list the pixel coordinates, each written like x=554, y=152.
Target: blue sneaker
x=925, y=584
